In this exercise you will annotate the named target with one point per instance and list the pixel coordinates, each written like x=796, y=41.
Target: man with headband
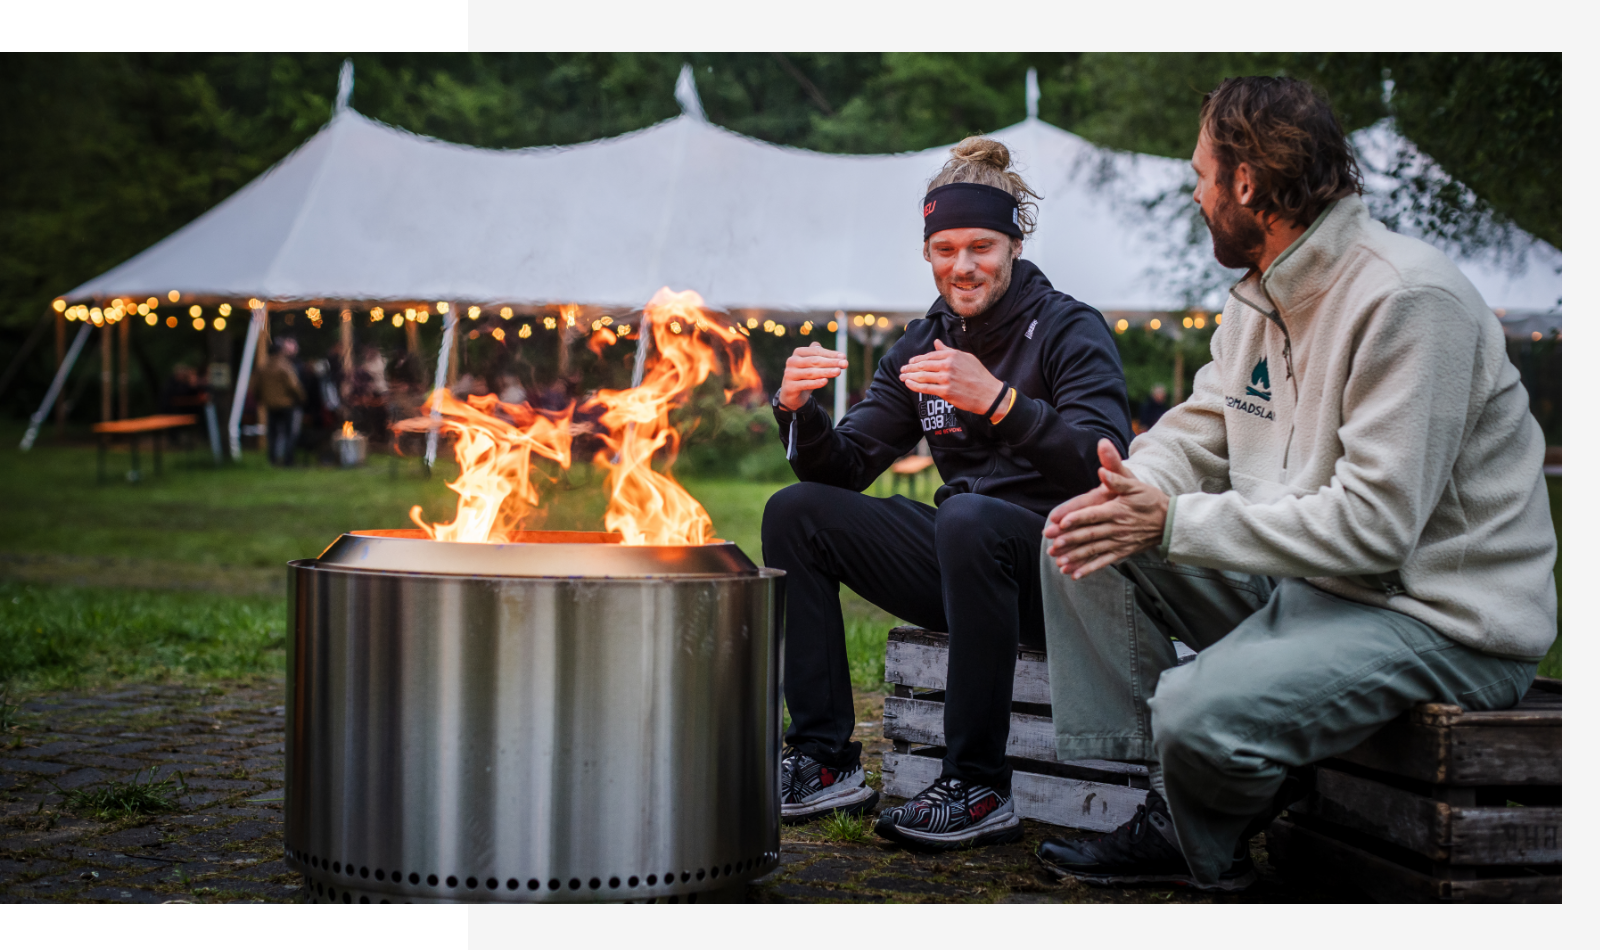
x=1012, y=383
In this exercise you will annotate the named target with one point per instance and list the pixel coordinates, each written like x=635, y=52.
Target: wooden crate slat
x=924, y=665
x=1434, y=829
x=1444, y=746
x=1070, y=803
x=1506, y=836
x=921, y=721
x=1298, y=850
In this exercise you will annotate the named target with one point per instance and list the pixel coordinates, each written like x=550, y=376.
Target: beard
x=1236, y=236
x=993, y=291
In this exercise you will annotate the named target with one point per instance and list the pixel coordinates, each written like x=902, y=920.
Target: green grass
x=59, y=637
x=118, y=801
x=845, y=829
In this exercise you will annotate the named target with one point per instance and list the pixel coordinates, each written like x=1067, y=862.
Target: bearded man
x=1013, y=384
x=1347, y=518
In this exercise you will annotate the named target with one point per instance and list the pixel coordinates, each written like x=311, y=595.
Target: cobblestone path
x=225, y=842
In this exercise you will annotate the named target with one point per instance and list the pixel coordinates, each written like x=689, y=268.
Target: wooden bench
x=152, y=426
x=1441, y=805
x=1095, y=794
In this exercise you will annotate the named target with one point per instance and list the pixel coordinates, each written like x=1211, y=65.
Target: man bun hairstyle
x=1288, y=135
x=983, y=161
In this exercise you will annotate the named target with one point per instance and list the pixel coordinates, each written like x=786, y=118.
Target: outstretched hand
x=1116, y=520
x=956, y=376
x=808, y=368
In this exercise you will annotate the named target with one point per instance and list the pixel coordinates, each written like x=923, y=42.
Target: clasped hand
x=1116, y=520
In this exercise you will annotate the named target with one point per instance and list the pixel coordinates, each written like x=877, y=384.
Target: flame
x=495, y=442
x=349, y=430
x=600, y=339
x=647, y=506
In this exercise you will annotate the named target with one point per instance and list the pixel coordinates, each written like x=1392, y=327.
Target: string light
x=498, y=334
x=549, y=323
x=1217, y=319
x=1199, y=322
x=255, y=304
x=150, y=319
x=172, y=322
x=833, y=326
x=1155, y=323
x=473, y=312
x=443, y=306
x=883, y=323
x=399, y=320
x=96, y=316
x=505, y=313
x=767, y=325
x=569, y=312
x=753, y=323
x=219, y=324
x=780, y=330
x=152, y=303
x=472, y=335
x=676, y=327
x=377, y=314
x=1188, y=323
x=59, y=305
x=525, y=332
x=624, y=330
x=226, y=309
x=144, y=308
x=172, y=295
x=605, y=321
x=1122, y=326
x=199, y=323
x=194, y=311
x=595, y=327
x=411, y=314
x=805, y=328
x=422, y=316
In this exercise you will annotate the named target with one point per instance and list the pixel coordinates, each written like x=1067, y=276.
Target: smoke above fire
x=495, y=441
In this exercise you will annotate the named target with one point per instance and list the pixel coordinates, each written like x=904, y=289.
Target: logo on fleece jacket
x=1260, y=386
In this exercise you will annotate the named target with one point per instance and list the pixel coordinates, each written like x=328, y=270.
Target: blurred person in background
x=277, y=388
x=1154, y=407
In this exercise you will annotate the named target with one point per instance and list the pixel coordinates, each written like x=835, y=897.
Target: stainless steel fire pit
x=568, y=719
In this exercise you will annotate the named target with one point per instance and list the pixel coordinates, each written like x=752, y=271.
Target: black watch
x=778, y=406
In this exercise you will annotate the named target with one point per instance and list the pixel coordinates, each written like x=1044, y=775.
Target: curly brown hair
x=1288, y=135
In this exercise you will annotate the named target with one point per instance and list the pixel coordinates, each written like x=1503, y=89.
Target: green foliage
x=68, y=637
x=9, y=718
x=845, y=829
x=118, y=801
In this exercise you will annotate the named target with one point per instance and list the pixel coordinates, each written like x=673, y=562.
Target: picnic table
x=152, y=426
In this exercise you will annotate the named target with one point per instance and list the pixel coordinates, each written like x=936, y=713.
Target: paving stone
x=122, y=895
x=34, y=767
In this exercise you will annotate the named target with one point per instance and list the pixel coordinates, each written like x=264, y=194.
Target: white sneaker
x=810, y=789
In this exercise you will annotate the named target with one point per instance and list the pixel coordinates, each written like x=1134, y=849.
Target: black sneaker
x=810, y=789
x=952, y=814
x=1144, y=850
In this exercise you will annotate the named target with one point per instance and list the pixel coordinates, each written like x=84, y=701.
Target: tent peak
x=347, y=85
x=688, y=95
x=1033, y=93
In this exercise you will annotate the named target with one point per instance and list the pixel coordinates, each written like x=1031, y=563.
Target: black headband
x=969, y=205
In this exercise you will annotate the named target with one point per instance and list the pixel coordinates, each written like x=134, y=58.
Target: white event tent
x=364, y=213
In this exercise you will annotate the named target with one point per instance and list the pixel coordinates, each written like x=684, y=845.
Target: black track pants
x=969, y=567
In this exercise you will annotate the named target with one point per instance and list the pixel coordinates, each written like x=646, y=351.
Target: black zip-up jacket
x=1055, y=350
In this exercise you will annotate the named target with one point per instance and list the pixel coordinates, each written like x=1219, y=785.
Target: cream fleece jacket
x=1360, y=426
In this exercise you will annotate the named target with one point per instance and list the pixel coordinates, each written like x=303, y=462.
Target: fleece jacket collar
x=1309, y=266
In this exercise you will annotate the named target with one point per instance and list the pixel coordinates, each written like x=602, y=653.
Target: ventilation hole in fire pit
x=364, y=899
x=347, y=897
x=511, y=884
x=669, y=878
x=691, y=899
x=713, y=873
x=394, y=876
x=415, y=877
x=450, y=881
x=700, y=876
x=363, y=872
x=651, y=880
x=727, y=869
x=533, y=884
x=673, y=899
x=555, y=885
x=633, y=882
x=492, y=884
x=324, y=864
x=378, y=874
x=472, y=883
x=433, y=880
x=574, y=883
x=594, y=884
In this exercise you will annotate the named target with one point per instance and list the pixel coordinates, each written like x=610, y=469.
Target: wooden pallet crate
x=1093, y=794
x=1440, y=805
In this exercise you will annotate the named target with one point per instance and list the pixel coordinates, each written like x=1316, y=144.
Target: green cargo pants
x=1287, y=674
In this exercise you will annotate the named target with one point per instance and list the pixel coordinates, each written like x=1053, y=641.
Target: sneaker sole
x=1004, y=833
x=824, y=809
x=1176, y=880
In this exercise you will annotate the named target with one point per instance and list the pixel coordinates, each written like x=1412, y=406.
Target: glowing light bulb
x=172, y=295
x=255, y=304
x=377, y=314
x=1155, y=324
x=833, y=326
x=767, y=325
x=422, y=316
x=172, y=322
x=226, y=309
x=526, y=331
x=676, y=327
x=883, y=323
x=150, y=319
x=753, y=323
x=443, y=306
x=399, y=320
x=1122, y=326
x=194, y=311
x=498, y=334
x=59, y=306
x=624, y=330
x=549, y=323
x=1188, y=323
x=473, y=313
x=219, y=324
x=780, y=330
x=199, y=323
x=505, y=313
x=605, y=321
x=152, y=303
x=1199, y=323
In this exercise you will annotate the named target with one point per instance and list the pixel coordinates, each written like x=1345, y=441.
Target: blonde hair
x=983, y=161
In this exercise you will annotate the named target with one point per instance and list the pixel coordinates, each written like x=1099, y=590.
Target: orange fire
x=647, y=506
x=495, y=443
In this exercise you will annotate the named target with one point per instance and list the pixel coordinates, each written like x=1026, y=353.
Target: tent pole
x=241, y=387
x=61, y=360
x=105, y=373
x=55, y=387
x=123, y=327
x=842, y=383
x=439, y=383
